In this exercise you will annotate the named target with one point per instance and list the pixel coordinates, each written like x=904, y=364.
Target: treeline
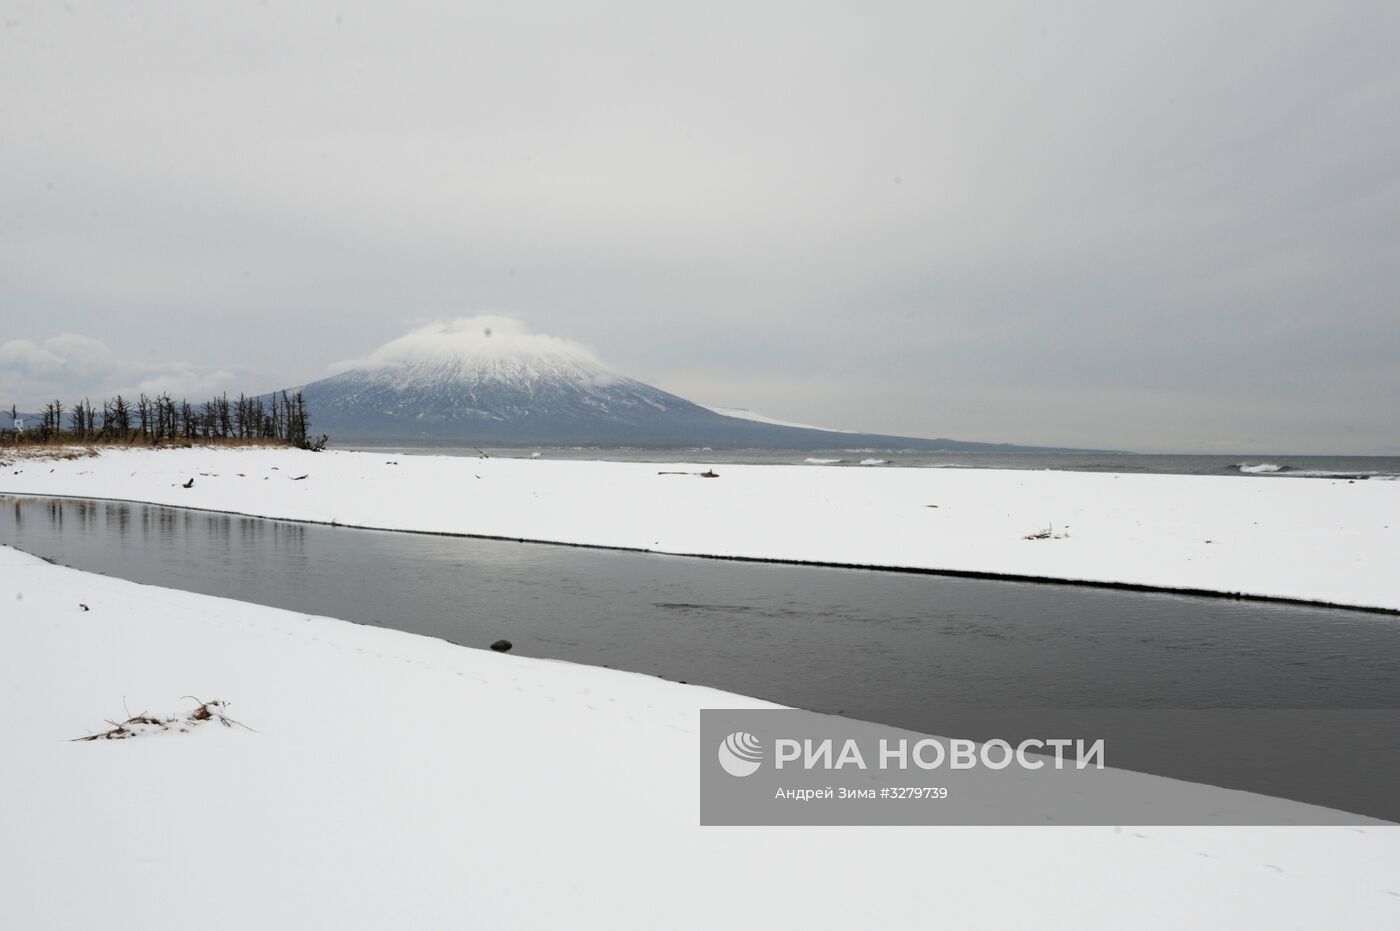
x=160, y=420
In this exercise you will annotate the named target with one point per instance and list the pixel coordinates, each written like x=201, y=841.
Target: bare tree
x=280, y=417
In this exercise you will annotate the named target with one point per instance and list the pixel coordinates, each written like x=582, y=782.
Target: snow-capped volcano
x=484, y=349
x=487, y=380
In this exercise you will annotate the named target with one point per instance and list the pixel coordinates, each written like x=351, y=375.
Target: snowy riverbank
x=396, y=781
x=1310, y=539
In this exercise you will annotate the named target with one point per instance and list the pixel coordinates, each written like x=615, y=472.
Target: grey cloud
x=70, y=366
x=1147, y=226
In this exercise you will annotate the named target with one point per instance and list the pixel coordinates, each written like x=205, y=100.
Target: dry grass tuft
x=143, y=723
x=45, y=453
x=1048, y=534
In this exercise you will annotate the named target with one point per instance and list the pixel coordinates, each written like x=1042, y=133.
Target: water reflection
x=822, y=638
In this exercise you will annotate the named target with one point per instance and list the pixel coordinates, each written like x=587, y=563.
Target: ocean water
x=1253, y=466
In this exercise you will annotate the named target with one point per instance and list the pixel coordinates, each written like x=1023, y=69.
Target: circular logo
x=740, y=754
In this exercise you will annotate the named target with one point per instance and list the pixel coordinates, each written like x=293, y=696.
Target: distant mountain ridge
x=486, y=381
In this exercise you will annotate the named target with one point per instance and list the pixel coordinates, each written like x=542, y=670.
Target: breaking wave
x=1262, y=468
x=1272, y=468
x=814, y=461
x=872, y=462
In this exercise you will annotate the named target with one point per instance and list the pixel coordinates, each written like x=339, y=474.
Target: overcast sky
x=1168, y=226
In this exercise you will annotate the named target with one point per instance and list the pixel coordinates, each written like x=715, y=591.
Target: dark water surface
x=1253, y=466
x=824, y=639
x=891, y=647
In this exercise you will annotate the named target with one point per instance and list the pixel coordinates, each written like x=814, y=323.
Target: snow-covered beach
x=394, y=780
x=633, y=466
x=1323, y=540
